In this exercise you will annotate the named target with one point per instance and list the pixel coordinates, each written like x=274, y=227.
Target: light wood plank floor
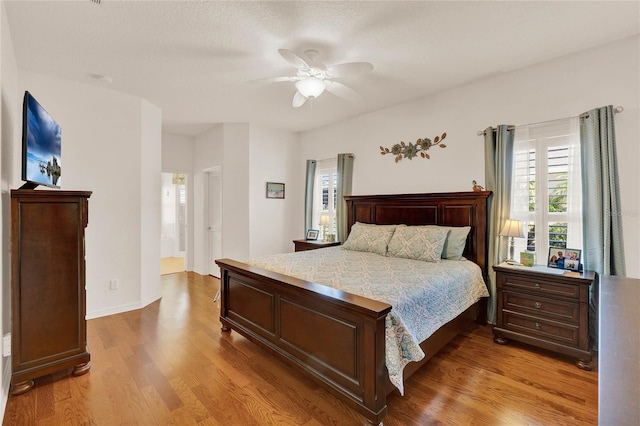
x=171, y=265
x=169, y=364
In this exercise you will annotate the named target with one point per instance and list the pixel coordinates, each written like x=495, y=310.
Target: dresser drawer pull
x=537, y=326
x=538, y=305
x=538, y=286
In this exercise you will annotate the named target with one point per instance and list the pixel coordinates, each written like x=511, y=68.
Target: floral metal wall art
x=409, y=150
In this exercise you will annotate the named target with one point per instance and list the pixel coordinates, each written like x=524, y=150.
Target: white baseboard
x=123, y=308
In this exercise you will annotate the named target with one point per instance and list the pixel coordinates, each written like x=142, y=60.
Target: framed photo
x=312, y=234
x=555, y=254
x=275, y=190
x=572, y=259
x=564, y=258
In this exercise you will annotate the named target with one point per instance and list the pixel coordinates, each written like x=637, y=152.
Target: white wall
x=208, y=152
x=105, y=135
x=273, y=158
x=10, y=131
x=235, y=191
x=178, y=157
x=150, y=174
x=559, y=88
x=248, y=156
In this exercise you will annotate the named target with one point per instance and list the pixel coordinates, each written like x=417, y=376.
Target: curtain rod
x=616, y=110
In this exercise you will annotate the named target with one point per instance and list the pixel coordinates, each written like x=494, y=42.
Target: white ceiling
x=196, y=60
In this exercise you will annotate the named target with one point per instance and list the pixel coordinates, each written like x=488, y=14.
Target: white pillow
x=369, y=238
x=418, y=242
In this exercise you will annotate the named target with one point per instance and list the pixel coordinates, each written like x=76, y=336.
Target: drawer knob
x=538, y=286
x=538, y=305
x=537, y=326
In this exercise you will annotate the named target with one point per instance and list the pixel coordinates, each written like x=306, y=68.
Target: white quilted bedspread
x=423, y=295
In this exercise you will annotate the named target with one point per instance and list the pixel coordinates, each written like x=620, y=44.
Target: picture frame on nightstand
x=312, y=234
x=568, y=258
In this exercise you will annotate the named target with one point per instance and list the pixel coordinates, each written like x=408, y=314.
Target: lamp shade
x=311, y=87
x=324, y=219
x=512, y=228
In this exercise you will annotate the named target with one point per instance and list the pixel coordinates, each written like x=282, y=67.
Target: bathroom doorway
x=173, y=237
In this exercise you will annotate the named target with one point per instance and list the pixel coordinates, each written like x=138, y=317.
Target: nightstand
x=544, y=307
x=303, y=245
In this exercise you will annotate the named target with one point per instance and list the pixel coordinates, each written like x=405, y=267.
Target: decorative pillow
x=370, y=238
x=418, y=242
x=455, y=242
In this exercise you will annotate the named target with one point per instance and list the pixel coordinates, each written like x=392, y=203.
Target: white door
x=214, y=227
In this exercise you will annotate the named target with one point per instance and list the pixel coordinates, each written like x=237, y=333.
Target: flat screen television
x=41, y=142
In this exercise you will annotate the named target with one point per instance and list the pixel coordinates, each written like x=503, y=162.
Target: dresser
x=544, y=307
x=48, y=326
x=303, y=245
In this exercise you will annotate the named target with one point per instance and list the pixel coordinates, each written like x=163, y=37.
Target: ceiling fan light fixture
x=311, y=87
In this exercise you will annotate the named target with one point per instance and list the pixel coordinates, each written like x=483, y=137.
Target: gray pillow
x=369, y=238
x=455, y=242
x=418, y=242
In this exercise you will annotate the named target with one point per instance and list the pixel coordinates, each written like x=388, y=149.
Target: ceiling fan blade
x=342, y=91
x=298, y=100
x=348, y=69
x=293, y=59
x=274, y=79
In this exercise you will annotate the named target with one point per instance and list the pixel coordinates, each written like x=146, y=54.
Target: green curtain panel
x=498, y=166
x=308, y=195
x=603, y=246
x=345, y=176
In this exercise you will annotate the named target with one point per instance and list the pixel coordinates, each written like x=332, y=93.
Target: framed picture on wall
x=275, y=190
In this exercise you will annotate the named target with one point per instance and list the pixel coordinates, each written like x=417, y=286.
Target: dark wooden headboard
x=446, y=208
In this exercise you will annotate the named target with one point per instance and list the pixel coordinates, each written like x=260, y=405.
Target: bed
x=297, y=320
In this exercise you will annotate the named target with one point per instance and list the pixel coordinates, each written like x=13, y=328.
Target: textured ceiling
x=197, y=60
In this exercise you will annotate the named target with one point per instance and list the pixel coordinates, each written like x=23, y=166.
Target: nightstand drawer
x=542, y=287
x=556, y=310
x=548, y=330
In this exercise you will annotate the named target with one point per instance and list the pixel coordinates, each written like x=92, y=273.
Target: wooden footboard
x=336, y=338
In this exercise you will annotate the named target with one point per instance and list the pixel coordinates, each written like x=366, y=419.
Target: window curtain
x=602, y=230
x=498, y=164
x=308, y=195
x=344, y=178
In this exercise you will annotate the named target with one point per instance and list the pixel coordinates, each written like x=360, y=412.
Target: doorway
x=173, y=231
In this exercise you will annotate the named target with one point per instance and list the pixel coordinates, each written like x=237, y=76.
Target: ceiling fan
x=313, y=77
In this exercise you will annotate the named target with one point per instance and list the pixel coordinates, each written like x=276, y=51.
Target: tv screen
x=41, y=138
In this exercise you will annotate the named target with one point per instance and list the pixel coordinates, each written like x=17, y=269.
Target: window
x=546, y=192
x=325, y=194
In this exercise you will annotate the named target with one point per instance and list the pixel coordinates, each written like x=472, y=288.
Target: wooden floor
x=170, y=364
x=171, y=265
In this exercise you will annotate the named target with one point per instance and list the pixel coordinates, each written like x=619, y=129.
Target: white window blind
x=325, y=193
x=547, y=188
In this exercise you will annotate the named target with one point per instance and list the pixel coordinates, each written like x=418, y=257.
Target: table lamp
x=512, y=228
x=324, y=222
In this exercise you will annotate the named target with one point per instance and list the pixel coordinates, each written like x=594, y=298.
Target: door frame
x=188, y=250
x=206, y=249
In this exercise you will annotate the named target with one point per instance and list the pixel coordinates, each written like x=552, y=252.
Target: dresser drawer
x=565, y=334
x=557, y=310
x=542, y=287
